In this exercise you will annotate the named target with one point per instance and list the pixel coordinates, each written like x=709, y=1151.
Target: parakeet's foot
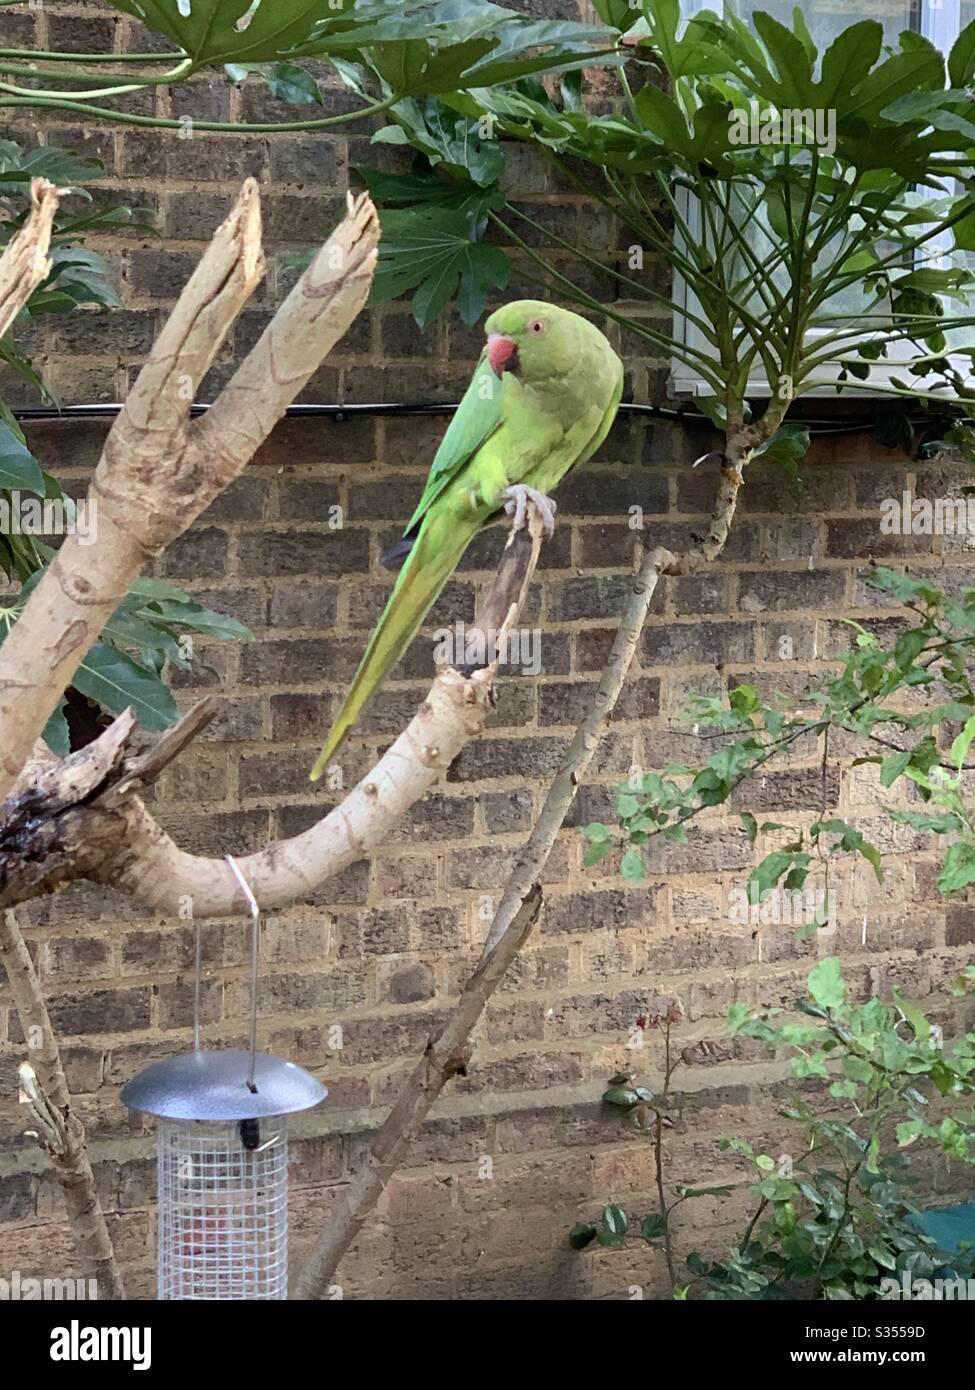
x=519, y=495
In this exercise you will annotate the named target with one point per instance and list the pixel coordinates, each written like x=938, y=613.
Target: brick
x=304, y=160
x=505, y=757
x=568, y=702
x=697, y=644
x=303, y=604
x=411, y=984
x=506, y=811
x=197, y=552
x=298, y=992
x=587, y=597
x=584, y=912
x=378, y=931
x=959, y=925
x=76, y=958
x=99, y=1011
x=795, y=590
x=79, y=34
x=287, y=553
x=861, y=537
x=168, y=154
x=307, y=499
x=299, y=661
x=194, y=216
x=203, y=100
x=437, y=818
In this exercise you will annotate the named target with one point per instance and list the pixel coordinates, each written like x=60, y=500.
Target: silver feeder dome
x=213, y=1086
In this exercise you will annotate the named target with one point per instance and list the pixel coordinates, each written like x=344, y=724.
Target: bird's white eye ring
x=536, y=326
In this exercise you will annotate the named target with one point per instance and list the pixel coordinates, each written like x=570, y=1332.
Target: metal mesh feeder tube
x=222, y=1152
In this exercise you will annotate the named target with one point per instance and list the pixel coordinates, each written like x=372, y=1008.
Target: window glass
x=827, y=18
x=941, y=20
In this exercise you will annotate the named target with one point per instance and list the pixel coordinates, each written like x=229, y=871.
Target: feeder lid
x=213, y=1086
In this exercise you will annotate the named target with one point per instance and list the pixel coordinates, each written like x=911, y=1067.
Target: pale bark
x=60, y=1132
x=52, y=833
x=25, y=263
x=562, y=792
x=159, y=469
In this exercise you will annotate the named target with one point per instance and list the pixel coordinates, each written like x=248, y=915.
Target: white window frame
x=941, y=23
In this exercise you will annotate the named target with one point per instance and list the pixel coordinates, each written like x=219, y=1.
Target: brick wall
x=382, y=950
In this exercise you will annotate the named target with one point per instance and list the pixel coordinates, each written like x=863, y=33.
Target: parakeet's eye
x=537, y=326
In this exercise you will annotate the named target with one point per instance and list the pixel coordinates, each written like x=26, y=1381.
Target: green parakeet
x=542, y=399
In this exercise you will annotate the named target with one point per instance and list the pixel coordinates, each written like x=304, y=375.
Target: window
x=940, y=21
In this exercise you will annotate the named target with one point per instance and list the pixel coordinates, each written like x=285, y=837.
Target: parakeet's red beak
x=500, y=350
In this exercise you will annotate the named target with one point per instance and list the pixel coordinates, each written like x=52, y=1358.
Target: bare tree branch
x=519, y=908
x=61, y=1134
x=445, y=1055
x=520, y=903
x=561, y=794
x=159, y=469
x=82, y=817
x=25, y=263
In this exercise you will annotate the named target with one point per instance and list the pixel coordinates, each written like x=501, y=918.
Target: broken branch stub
x=26, y=263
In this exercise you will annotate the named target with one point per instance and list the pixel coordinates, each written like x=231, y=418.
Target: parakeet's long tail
x=429, y=565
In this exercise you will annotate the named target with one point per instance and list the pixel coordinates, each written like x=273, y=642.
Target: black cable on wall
x=681, y=415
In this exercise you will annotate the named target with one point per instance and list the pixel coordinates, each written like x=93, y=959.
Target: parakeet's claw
x=519, y=495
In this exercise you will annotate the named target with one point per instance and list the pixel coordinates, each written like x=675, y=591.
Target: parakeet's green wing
x=477, y=417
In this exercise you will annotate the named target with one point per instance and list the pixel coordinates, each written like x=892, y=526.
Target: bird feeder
x=222, y=1153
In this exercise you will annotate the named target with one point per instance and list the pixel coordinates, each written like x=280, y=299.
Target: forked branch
x=159, y=469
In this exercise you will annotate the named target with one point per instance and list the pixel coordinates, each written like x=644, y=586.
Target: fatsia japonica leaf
x=237, y=31
x=958, y=870
x=56, y=734
x=63, y=167
x=787, y=447
x=431, y=251
x=429, y=45
x=961, y=59
x=286, y=81
x=115, y=681
x=683, y=47
x=19, y=470
x=618, y=13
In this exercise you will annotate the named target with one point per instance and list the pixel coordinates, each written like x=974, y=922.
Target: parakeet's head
x=535, y=340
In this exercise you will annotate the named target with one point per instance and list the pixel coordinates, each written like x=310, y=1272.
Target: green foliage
x=155, y=624
x=421, y=47
x=931, y=658
x=834, y=1220
x=78, y=276
x=212, y=31
x=781, y=227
